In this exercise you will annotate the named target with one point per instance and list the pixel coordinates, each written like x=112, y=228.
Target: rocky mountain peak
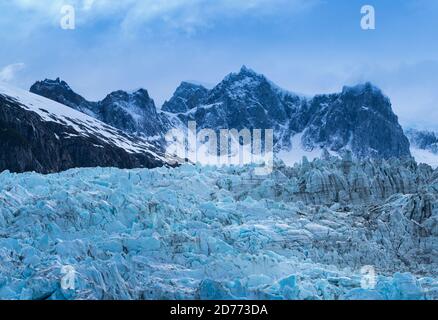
x=142, y=93
x=137, y=99
x=245, y=78
x=244, y=70
x=361, y=89
x=132, y=112
x=41, y=135
x=185, y=85
x=359, y=118
x=367, y=98
x=186, y=97
x=59, y=91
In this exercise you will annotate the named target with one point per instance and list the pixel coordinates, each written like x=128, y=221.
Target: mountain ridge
x=337, y=121
x=38, y=134
x=134, y=112
x=359, y=118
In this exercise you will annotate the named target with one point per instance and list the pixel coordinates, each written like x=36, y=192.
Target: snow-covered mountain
x=134, y=113
x=186, y=97
x=38, y=134
x=359, y=119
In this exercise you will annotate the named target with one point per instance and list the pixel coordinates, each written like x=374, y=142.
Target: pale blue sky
x=307, y=46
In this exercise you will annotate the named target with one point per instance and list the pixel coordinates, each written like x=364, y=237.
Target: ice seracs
x=133, y=112
x=358, y=119
x=222, y=233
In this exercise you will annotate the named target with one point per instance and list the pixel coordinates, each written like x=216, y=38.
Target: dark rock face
x=186, y=97
x=425, y=140
x=59, y=91
x=134, y=113
x=359, y=118
x=29, y=143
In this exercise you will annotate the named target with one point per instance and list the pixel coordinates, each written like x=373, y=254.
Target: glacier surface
x=304, y=232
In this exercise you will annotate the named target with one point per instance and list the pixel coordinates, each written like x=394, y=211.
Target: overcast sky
x=307, y=46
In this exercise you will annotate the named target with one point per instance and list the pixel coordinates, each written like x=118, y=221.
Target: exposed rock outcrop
x=37, y=134
x=341, y=181
x=134, y=113
x=359, y=119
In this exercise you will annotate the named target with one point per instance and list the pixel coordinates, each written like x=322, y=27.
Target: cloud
x=8, y=73
x=177, y=14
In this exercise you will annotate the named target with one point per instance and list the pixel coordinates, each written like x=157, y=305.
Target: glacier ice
x=304, y=232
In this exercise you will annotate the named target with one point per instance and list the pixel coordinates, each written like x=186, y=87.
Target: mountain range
x=359, y=120
x=424, y=145
x=38, y=134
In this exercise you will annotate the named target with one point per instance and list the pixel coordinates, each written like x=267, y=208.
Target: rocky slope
x=134, y=113
x=37, y=134
x=359, y=118
x=186, y=97
x=343, y=181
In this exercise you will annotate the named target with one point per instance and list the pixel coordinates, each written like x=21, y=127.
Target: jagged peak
x=361, y=88
x=126, y=94
x=243, y=73
x=422, y=131
x=118, y=93
x=130, y=99
x=58, y=90
x=59, y=83
x=245, y=70
x=188, y=85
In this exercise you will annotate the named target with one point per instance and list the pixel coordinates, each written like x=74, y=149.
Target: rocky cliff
x=37, y=134
x=134, y=113
x=359, y=119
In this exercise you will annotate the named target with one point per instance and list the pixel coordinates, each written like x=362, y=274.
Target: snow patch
x=425, y=156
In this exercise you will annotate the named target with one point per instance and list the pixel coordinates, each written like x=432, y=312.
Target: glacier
x=206, y=232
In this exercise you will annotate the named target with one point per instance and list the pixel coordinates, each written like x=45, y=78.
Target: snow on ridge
x=84, y=124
